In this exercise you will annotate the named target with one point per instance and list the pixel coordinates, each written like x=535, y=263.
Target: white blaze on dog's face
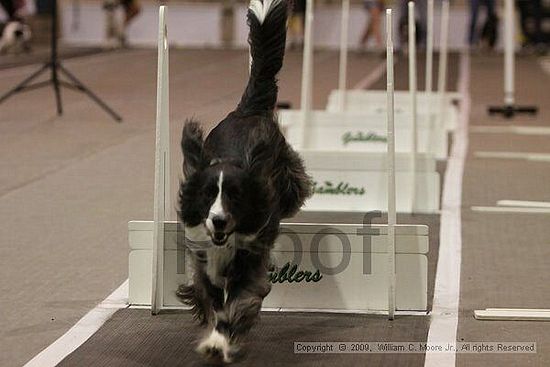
x=218, y=221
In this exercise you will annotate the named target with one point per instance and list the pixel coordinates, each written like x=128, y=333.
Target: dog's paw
x=216, y=349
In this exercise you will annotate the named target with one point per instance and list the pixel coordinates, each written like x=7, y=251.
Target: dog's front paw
x=216, y=349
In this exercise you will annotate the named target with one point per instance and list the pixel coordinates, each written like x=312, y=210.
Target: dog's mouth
x=219, y=238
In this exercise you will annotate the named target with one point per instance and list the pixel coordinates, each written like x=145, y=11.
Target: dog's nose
x=219, y=223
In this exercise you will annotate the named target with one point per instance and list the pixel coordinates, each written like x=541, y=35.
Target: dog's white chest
x=218, y=258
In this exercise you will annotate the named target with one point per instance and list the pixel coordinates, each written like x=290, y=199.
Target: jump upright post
x=412, y=91
x=390, y=161
x=162, y=201
x=342, y=75
x=442, y=74
x=510, y=109
x=429, y=47
x=307, y=72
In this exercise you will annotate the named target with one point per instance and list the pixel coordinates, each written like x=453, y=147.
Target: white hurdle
x=510, y=109
x=343, y=68
x=442, y=74
x=390, y=161
x=429, y=47
x=509, y=61
x=306, y=99
x=412, y=91
x=162, y=200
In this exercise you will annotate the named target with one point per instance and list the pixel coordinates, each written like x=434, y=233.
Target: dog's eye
x=211, y=190
x=232, y=191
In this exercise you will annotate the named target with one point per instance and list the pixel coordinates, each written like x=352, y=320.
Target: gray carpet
x=135, y=338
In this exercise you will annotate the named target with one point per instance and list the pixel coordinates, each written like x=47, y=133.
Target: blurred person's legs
x=420, y=15
x=131, y=9
x=374, y=9
x=10, y=8
x=296, y=24
x=531, y=13
x=474, y=11
x=489, y=5
x=538, y=37
x=296, y=30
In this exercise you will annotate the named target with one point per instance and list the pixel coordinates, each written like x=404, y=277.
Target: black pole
x=53, y=60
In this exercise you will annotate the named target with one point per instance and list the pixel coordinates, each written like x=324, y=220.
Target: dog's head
x=223, y=197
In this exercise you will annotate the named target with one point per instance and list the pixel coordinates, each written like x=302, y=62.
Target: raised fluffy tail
x=267, y=20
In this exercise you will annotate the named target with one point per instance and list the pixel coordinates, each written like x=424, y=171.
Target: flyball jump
x=155, y=245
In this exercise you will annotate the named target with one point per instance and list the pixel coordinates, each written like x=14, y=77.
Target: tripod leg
x=81, y=87
x=19, y=87
x=57, y=90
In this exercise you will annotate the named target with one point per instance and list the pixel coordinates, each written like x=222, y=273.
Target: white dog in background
x=15, y=37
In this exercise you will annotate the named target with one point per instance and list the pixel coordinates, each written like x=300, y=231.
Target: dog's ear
x=192, y=147
x=260, y=157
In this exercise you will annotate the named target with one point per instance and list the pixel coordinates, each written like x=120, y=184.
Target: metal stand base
x=509, y=111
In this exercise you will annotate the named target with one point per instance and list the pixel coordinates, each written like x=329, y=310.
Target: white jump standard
x=510, y=109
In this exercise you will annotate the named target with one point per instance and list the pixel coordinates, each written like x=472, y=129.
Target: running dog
x=239, y=183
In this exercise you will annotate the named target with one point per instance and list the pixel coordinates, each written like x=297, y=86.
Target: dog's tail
x=267, y=20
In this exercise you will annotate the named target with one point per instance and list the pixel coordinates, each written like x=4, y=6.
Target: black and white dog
x=14, y=36
x=239, y=183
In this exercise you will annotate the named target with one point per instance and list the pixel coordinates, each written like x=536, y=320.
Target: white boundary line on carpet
x=444, y=315
x=82, y=330
x=510, y=209
x=534, y=157
x=511, y=129
x=373, y=76
x=524, y=203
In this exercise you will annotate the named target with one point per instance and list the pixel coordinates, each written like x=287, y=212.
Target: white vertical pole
x=307, y=73
x=429, y=47
x=442, y=80
x=509, y=34
x=412, y=90
x=342, y=77
x=390, y=167
x=162, y=166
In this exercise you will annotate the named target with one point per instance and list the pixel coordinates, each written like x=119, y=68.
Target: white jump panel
x=354, y=181
x=317, y=266
x=371, y=100
x=363, y=131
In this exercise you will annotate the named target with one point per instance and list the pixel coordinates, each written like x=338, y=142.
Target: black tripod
x=57, y=69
